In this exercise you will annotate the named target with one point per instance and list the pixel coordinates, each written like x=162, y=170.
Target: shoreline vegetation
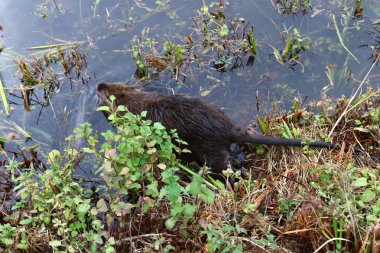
x=295, y=199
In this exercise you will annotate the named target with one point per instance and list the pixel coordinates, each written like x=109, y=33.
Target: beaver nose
x=103, y=92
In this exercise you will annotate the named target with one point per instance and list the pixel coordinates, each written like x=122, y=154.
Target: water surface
x=106, y=31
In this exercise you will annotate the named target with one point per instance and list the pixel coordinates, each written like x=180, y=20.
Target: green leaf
x=74, y=233
x=55, y=243
x=22, y=245
x=102, y=205
x=224, y=31
x=204, y=9
x=7, y=241
x=159, y=126
x=196, y=185
x=110, y=250
x=26, y=221
x=176, y=209
x=170, y=223
x=368, y=195
x=360, y=182
x=53, y=155
x=207, y=195
x=189, y=210
x=143, y=114
x=96, y=225
x=152, y=189
x=4, y=98
x=98, y=239
x=263, y=124
x=252, y=43
x=103, y=108
x=249, y=208
x=83, y=208
x=173, y=191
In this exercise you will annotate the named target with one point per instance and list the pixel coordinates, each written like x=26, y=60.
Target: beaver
x=208, y=132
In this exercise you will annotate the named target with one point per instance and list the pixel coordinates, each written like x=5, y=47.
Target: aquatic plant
x=216, y=39
x=292, y=6
x=294, y=45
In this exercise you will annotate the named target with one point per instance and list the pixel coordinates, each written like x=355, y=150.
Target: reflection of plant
x=294, y=45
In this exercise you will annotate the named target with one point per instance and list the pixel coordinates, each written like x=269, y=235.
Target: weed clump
x=217, y=42
x=294, y=45
x=139, y=171
x=48, y=71
x=293, y=6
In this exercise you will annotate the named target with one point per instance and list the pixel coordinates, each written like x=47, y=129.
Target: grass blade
x=341, y=40
x=4, y=98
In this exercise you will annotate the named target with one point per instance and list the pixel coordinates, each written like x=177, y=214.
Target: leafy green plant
x=294, y=45
x=51, y=200
x=221, y=238
x=48, y=69
x=349, y=190
x=140, y=172
x=140, y=166
x=138, y=59
x=287, y=206
x=8, y=235
x=227, y=238
x=225, y=35
x=293, y=6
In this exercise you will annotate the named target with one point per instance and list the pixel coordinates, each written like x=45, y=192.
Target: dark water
x=107, y=31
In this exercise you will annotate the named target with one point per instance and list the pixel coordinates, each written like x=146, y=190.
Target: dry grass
x=282, y=201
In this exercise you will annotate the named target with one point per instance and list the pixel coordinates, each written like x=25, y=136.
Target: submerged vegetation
x=140, y=197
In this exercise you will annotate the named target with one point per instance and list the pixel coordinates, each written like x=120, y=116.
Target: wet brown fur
x=204, y=127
